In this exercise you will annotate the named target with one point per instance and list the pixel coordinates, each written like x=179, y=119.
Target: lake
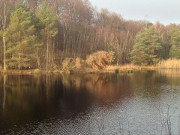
x=144, y=102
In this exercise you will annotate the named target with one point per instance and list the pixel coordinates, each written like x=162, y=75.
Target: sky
x=163, y=11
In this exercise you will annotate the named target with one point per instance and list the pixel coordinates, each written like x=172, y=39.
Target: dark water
x=146, y=102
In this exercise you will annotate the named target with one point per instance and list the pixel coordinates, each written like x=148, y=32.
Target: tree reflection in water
x=27, y=98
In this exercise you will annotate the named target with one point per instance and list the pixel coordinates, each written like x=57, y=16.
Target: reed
x=169, y=64
x=128, y=68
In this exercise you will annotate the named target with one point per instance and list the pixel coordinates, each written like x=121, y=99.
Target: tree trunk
x=19, y=63
x=4, y=40
x=47, y=54
x=38, y=59
x=4, y=51
x=4, y=89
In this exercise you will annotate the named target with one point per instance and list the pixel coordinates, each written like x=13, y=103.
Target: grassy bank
x=108, y=69
x=164, y=64
x=28, y=72
x=169, y=64
x=128, y=68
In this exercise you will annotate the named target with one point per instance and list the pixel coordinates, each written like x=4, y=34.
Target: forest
x=63, y=34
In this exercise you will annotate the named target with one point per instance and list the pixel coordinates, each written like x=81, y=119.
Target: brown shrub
x=99, y=60
x=94, y=62
x=78, y=63
x=68, y=64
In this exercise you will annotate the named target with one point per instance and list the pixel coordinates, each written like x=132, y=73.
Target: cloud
x=165, y=11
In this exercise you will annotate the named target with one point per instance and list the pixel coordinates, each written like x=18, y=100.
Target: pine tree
x=49, y=30
x=175, y=43
x=147, y=48
x=21, y=38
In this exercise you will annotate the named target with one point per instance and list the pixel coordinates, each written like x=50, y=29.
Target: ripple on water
x=136, y=104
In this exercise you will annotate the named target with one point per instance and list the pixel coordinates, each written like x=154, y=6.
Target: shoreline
x=108, y=69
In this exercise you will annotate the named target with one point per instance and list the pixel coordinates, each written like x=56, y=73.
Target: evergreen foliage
x=48, y=20
x=147, y=48
x=49, y=29
x=21, y=38
x=175, y=43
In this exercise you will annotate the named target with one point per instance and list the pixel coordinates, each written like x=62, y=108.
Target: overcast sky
x=164, y=11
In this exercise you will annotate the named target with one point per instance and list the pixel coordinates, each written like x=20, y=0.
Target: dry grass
x=22, y=72
x=165, y=64
x=127, y=67
x=169, y=64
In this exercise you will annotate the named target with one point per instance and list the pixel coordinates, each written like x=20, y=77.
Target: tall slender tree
x=49, y=30
x=21, y=38
x=4, y=23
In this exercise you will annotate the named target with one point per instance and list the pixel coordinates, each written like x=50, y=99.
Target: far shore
x=107, y=69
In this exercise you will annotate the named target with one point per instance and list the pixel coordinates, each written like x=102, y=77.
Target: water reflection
x=172, y=75
x=28, y=99
x=103, y=87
